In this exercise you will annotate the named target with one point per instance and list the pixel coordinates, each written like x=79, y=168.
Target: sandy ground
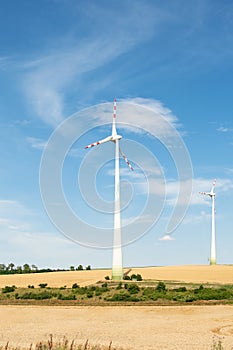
x=190, y=273
x=144, y=328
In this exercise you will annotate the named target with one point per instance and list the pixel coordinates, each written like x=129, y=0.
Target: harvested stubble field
x=188, y=274
x=134, y=327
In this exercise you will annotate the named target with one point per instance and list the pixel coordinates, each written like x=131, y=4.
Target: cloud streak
x=47, y=77
x=36, y=143
x=166, y=238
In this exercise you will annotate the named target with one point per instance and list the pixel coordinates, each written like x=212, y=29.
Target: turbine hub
x=116, y=137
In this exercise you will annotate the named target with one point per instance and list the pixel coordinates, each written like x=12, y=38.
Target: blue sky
x=174, y=58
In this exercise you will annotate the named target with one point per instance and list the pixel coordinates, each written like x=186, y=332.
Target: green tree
x=80, y=267
x=88, y=267
x=19, y=269
x=34, y=268
x=72, y=268
x=26, y=268
x=11, y=267
x=2, y=268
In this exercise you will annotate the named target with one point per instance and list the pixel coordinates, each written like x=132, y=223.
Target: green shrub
x=123, y=296
x=197, y=290
x=92, y=288
x=43, y=285
x=135, y=277
x=188, y=298
x=89, y=294
x=133, y=288
x=98, y=292
x=127, y=278
x=30, y=286
x=214, y=294
x=75, y=286
x=66, y=297
x=150, y=294
x=104, y=289
x=36, y=296
x=134, y=299
x=119, y=297
x=139, y=277
x=81, y=290
x=119, y=286
x=8, y=289
x=161, y=287
x=180, y=289
x=107, y=278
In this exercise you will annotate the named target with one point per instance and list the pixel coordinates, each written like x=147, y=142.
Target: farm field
x=188, y=274
x=136, y=327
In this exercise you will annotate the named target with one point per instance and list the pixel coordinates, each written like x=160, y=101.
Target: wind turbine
x=117, y=268
x=211, y=194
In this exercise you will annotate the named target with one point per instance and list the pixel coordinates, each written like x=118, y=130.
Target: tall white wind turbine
x=117, y=267
x=211, y=194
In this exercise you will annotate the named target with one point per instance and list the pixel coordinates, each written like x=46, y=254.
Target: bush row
x=122, y=292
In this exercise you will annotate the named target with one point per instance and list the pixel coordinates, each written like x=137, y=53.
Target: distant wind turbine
x=117, y=268
x=211, y=194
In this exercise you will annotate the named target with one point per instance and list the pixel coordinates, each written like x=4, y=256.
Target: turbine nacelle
x=211, y=193
x=112, y=138
x=116, y=137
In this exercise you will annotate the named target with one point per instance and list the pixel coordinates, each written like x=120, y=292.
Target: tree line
x=26, y=268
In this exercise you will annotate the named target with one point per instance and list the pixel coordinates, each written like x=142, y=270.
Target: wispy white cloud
x=17, y=224
x=199, y=185
x=47, y=77
x=23, y=122
x=7, y=207
x=224, y=129
x=13, y=214
x=4, y=61
x=157, y=107
x=36, y=143
x=229, y=171
x=167, y=238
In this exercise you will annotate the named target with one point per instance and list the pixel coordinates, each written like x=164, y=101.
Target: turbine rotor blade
x=109, y=138
x=126, y=160
x=114, y=132
x=214, y=183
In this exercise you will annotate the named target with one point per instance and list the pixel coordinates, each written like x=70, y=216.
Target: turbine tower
x=211, y=194
x=117, y=268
